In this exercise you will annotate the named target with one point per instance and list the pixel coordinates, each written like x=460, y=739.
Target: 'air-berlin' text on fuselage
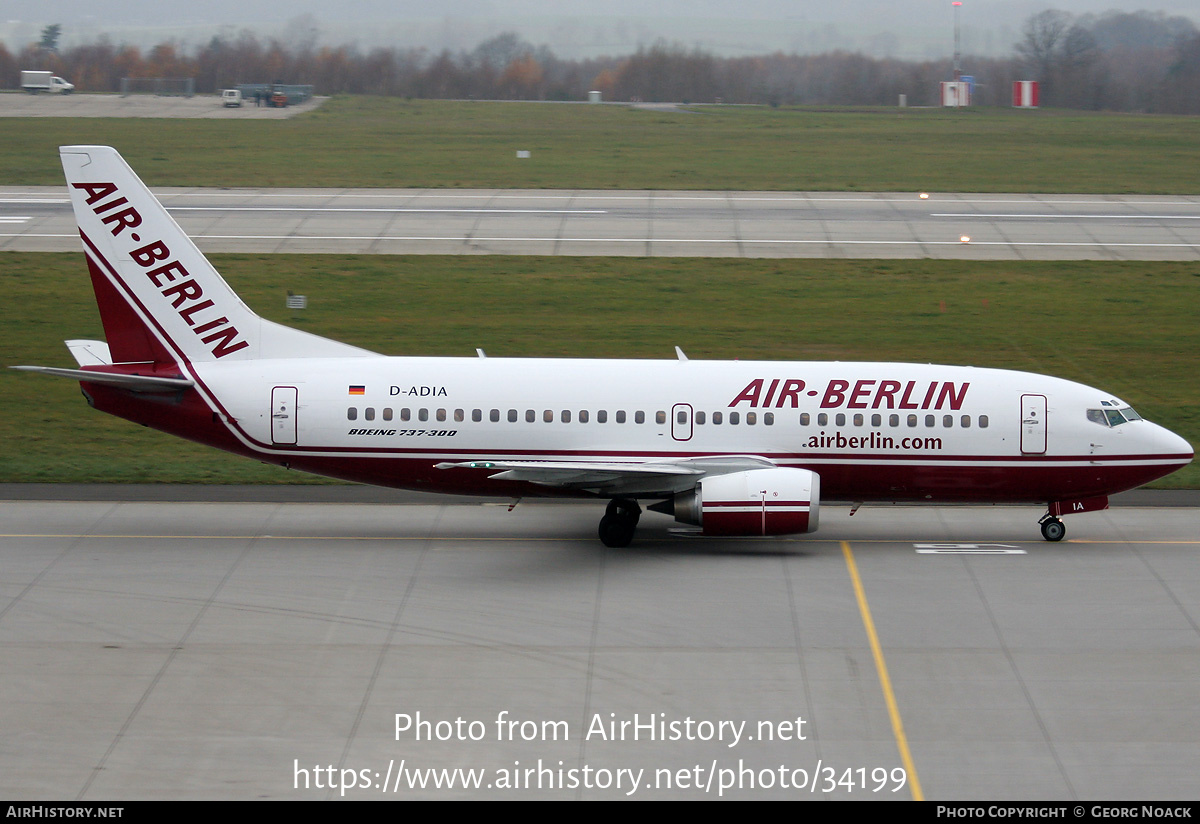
x=780, y=393
x=170, y=277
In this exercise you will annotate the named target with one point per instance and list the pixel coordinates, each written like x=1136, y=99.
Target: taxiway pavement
x=264, y=650
x=644, y=223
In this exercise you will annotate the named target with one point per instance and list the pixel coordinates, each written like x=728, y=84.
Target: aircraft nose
x=1167, y=442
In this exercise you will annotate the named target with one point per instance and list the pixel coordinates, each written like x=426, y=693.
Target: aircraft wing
x=615, y=478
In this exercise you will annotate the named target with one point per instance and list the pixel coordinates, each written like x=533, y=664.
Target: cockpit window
x=1111, y=416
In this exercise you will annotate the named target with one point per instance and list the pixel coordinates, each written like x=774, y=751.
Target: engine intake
x=756, y=502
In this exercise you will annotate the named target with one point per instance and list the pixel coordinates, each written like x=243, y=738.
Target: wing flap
x=615, y=477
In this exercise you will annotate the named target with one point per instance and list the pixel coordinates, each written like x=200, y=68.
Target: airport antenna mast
x=957, y=53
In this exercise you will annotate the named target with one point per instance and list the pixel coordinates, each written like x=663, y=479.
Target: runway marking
x=199, y=236
x=669, y=538
x=794, y=241
x=968, y=549
x=485, y=539
x=1098, y=541
x=14, y=218
x=1072, y=217
x=884, y=681
x=800, y=198
x=468, y=211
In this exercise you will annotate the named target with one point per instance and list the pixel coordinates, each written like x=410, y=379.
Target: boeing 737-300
x=735, y=448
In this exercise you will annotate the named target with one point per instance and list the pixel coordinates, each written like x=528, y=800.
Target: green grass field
x=387, y=142
x=1129, y=328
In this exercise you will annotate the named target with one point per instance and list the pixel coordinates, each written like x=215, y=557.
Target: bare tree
x=1115, y=61
x=1061, y=54
x=1041, y=41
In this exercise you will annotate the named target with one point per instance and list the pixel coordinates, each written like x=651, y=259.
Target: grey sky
x=912, y=29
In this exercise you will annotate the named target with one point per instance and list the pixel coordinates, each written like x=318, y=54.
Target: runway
x=265, y=650
x=649, y=223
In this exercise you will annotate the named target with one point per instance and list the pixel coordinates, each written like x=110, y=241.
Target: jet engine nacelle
x=756, y=502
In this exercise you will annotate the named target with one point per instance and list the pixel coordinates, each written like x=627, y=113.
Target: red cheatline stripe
x=758, y=503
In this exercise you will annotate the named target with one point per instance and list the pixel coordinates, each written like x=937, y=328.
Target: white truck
x=34, y=82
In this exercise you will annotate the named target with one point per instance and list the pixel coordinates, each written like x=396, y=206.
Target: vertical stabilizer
x=160, y=299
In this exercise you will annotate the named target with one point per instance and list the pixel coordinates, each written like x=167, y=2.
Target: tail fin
x=160, y=299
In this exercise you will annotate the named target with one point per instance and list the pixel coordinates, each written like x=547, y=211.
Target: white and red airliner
x=737, y=448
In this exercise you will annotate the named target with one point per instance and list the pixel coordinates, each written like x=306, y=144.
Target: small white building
x=956, y=93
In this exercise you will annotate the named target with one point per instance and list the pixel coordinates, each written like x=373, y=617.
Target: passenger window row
x=732, y=418
x=496, y=415
x=893, y=420
x=547, y=416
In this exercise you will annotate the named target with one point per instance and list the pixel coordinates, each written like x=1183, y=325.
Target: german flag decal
x=358, y=389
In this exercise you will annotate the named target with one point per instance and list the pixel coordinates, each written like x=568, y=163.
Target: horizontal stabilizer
x=138, y=383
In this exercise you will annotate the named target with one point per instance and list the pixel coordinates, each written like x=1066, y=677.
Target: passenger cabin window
x=601, y=416
x=352, y=414
x=983, y=421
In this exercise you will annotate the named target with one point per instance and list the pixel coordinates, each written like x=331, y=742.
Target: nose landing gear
x=1052, y=528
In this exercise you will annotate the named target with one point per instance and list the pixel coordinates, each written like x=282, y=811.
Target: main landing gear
x=1052, y=528
x=619, y=522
